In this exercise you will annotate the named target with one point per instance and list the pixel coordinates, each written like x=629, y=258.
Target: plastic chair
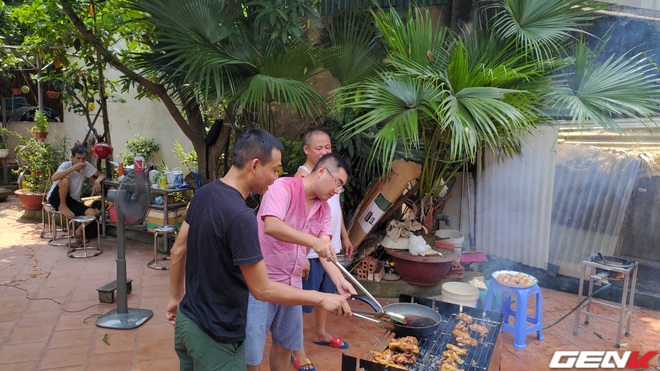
x=523, y=324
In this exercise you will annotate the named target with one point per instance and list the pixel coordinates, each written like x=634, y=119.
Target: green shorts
x=198, y=351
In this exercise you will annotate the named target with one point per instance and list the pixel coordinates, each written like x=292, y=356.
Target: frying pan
x=612, y=261
x=404, y=319
x=422, y=321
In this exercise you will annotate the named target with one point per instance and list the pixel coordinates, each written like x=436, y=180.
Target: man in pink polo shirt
x=293, y=218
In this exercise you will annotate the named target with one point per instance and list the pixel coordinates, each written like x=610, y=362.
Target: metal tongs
x=381, y=314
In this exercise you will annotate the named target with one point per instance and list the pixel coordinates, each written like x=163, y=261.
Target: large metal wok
x=404, y=319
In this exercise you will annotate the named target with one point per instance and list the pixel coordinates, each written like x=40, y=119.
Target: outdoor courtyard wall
x=146, y=117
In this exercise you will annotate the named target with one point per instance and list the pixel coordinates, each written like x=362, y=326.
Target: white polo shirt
x=76, y=177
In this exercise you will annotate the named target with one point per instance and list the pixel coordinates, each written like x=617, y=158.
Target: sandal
x=79, y=239
x=298, y=363
x=336, y=342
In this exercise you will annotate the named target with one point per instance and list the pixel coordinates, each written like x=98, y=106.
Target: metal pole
x=122, y=291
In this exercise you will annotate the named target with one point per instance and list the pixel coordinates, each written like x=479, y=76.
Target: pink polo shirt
x=285, y=200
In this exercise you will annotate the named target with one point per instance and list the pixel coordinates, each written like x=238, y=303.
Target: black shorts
x=77, y=207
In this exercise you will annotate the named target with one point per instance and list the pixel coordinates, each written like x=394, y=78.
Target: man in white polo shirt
x=64, y=195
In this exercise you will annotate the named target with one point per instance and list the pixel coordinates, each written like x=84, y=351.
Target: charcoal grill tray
x=430, y=350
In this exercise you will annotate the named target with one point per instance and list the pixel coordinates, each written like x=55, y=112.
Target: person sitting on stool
x=64, y=195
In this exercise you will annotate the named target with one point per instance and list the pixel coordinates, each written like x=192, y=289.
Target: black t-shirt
x=222, y=235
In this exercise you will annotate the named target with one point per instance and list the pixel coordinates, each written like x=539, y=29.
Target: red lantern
x=102, y=150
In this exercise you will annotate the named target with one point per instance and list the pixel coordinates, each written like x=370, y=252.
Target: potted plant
x=140, y=145
x=40, y=128
x=4, y=152
x=40, y=160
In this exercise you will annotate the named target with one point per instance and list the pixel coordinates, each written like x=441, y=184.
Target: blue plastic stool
x=520, y=328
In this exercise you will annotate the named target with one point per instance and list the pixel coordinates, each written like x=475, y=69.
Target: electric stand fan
x=131, y=199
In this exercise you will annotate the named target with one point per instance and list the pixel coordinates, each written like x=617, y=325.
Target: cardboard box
x=380, y=198
x=155, y=218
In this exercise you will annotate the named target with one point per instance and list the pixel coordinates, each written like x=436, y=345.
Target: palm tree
x=243, y=61
x=449, y=95
x=226, y=53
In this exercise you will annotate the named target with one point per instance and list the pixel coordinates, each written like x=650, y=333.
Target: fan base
x=132, y=319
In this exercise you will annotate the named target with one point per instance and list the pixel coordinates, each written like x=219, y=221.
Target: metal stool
x=623, y=310
x=45, y=214
x=53, y=233
x=520, y=328
x=81, y=252
x=163, y=231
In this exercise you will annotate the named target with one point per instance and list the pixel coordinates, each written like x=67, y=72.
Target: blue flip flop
x=334, y=343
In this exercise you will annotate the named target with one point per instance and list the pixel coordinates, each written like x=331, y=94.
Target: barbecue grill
x=486, y=355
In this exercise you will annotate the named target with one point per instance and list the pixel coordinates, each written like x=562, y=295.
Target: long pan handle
x=358, y=284
x=383, y=324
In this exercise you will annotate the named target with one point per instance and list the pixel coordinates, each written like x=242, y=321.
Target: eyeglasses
x=339, y=188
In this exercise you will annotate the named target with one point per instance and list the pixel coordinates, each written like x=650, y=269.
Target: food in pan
x=456, y=349
x=463, y=337
x=404, y=358
x=401, y=352
x=459, y=332
x=408, y=344
x=461, y=326
x=451, y=357
x=515, y=279
x=482, y=330
x=466, y=340
x=464, y=317
x=450, y=354
x=385, y=357
x=448, y=364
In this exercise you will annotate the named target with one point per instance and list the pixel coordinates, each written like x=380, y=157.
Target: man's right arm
x=61, y=173
x=262, y=288
x=281, y=231
x=177, y=272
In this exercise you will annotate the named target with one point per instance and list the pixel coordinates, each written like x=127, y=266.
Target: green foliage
x=281, y=19
x=292, y=156
x=241, y=54
x=187, y=159
x=40, y=121
x=70, y=63
x=443, y=97
x=140, y=145
x=42, y=160
x=354, y=150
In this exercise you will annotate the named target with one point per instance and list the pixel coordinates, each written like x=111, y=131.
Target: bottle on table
x=138, y=163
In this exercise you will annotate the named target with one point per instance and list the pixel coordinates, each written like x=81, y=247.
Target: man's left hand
x=97, y=185
x=346, y=289
x=348, y=247
x=306, y=268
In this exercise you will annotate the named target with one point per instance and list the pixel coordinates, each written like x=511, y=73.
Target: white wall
x=145, y=117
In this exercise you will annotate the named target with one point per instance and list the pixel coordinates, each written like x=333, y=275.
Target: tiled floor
x=42, y=335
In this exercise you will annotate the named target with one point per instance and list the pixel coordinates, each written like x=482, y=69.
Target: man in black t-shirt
x=217, y=255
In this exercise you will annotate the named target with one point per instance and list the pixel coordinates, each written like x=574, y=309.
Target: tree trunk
x=461, y=13
x=193, y=126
